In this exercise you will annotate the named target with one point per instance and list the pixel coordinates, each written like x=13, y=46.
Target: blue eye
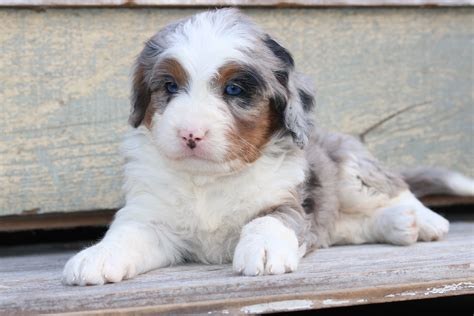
x=171, y=87
x=233, y=90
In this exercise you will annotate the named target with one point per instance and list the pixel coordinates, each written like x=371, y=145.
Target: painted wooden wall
x=401, y=78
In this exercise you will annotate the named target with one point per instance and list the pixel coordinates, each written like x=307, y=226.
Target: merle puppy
x=224, y=164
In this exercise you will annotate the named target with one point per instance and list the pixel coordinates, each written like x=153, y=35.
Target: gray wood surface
x=251, y=3
x=339, y=276
x=400, y=78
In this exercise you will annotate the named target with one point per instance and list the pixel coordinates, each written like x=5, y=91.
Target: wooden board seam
x=30, y=221
x=56, y=220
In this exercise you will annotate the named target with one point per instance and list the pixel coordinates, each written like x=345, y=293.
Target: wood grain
x=446, y=200
x=402, y=78
x=14, y=223
x=246, y=3
x=339, y=276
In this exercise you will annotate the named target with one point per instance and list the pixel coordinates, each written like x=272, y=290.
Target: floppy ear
x=141, y=92
x=298, y=101
x=298, y=112
x=140, y=97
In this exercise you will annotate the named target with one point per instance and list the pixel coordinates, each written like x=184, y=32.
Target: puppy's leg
x=129, y=248
x=407, y=221
x=375, y=203
x=394, y=225
x=402, y=222
x=269, y=244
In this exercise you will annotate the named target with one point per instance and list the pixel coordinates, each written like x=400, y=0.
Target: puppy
x=224, y=164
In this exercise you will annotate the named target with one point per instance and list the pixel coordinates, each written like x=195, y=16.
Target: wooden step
x=338, y=276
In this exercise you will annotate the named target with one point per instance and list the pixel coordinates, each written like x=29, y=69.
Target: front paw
x=99, y=264
x=266, y=247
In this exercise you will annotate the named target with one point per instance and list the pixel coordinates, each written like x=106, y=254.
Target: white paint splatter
x=281, y=306
x=450, y=288
x=435, y=290
x=335, y=302
x=224, y=311
x=402, y=294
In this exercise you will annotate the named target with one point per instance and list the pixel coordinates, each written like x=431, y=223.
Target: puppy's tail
x=430, y=181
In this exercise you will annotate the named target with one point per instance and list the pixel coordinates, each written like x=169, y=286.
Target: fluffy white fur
x=266, y=246
x=205, y=204
x=172, y=215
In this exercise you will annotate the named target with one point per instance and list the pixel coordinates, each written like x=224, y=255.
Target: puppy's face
x=214, y=89
x=215, y=111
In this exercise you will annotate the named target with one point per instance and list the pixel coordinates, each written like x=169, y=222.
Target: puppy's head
x=215, y=89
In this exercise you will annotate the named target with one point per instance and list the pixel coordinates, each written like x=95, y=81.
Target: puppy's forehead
x=203, y=45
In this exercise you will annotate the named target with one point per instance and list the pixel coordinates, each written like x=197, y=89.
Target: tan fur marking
x=226, y=72
x=172, y=67
x=148, y=119
x=249, y=136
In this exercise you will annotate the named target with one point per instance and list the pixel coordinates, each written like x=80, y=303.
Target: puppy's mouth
x=195, y=154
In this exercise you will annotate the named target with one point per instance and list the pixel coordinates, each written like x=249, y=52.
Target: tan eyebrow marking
x=226, y=72
x=172, y=67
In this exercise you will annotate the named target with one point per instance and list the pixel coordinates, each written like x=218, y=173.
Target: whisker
x=252, y=146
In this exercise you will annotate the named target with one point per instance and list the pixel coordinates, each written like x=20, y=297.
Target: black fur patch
x=306, y=99
x=278, y=102
x=308, y=205
x=282, y=77
x=280, y=52
x=141, y=99
x=312, y=182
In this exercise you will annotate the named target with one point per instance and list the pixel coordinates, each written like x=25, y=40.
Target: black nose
x=191, y=143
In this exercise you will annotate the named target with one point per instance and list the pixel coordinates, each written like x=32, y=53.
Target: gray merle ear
x=141, y=93
x=298, y=112
x=295, y=99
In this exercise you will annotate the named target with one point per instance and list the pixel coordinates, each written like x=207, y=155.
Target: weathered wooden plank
x=445, y=200
x=339, y=276
x=247, y=3
x=32, y=221
x=65, y=87
x=14, y=223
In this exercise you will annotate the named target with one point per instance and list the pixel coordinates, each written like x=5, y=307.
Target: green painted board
x=64, y=88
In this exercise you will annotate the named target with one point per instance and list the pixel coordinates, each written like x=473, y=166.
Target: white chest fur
x=206, y=213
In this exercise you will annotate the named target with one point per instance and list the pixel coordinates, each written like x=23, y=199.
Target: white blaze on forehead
x=204, y=44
